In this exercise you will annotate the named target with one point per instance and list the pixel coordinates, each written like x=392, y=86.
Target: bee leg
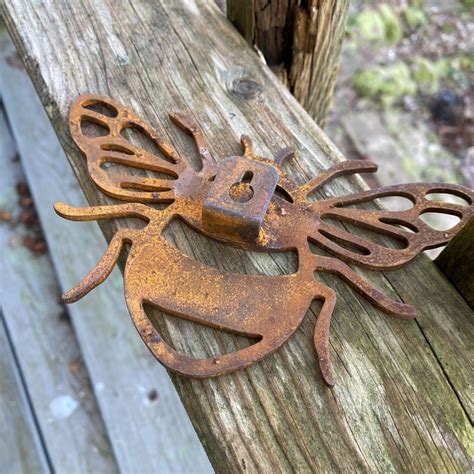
x=377, y=298
x=102, y=269
x=94, y=213
x=321, y=333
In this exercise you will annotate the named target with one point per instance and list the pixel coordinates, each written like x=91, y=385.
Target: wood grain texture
x=21, y=450
x=402, y=399
x=72, y=432
x=457, y=262
x=135, y=395
x=300, y=41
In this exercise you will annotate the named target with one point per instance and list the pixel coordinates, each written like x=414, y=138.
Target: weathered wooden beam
x=457, y=262
x=300, y=41
x=403, y=398
x=21, y=449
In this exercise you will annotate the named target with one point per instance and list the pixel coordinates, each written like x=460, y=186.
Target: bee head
x=239, y=196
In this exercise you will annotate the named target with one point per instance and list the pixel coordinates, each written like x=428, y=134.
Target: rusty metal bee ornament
x=248, y=202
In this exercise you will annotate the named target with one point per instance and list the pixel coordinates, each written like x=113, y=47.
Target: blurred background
x=404, y=93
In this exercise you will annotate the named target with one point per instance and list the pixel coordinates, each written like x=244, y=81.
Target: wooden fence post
x=301, y=42
x=457, y=262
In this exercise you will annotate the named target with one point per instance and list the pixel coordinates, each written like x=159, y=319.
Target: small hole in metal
x=247, y=177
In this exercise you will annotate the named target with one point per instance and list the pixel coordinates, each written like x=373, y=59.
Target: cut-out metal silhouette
x=248, y=202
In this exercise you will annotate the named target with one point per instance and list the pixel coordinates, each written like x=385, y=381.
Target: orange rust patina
x=246, y=201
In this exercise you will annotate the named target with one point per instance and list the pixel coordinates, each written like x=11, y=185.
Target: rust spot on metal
x=249, y=202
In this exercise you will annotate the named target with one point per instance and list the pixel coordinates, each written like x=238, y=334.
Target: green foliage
x=369, y=83
x=384, y=25
x=426, y=74
x=459, y=63
x=392, y=25
x=370, y=25
x=417, y=3
x=414, y=17
x=455, y=68
x=387, y=84
x=381, y=24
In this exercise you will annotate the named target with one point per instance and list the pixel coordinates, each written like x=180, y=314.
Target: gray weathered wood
x=402, y=402
x=457, y=262
x=148, y=427
x=46, y=348
x=21, y=450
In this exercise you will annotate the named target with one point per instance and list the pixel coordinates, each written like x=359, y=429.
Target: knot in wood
x=245, y=88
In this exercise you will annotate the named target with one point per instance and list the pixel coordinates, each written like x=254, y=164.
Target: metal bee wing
x=111, y=147
x=407, y=227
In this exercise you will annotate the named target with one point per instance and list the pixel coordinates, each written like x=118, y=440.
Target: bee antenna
x=284, y=154
x=246, y=142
